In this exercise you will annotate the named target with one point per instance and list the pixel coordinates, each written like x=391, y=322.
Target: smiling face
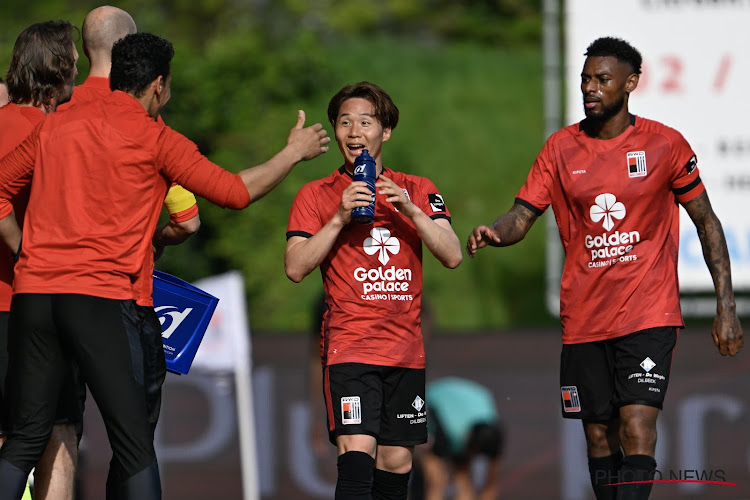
x=605, y=84
x=357, y=128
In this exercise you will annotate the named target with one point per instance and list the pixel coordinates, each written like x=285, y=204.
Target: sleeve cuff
x=184, y=215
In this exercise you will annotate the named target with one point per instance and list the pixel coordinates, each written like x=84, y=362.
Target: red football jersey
x=373, y=274
x=96, y=88
x=16, y=122
x=113, y=163
x=616, y=206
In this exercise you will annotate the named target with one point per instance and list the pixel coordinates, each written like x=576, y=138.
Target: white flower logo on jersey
x=607, y=207
x=381, y=242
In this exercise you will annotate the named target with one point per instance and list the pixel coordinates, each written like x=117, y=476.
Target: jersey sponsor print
x=420, y=417
x=383, y=282
x=610, y=247
x=648, y=375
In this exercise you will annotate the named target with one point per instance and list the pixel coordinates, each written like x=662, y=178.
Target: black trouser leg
x=12, y=481
x=144, y=485
x=107, y=339
x=36, y=369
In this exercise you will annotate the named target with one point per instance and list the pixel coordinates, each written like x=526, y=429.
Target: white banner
x=227, y=339
x=226, y=347
x=695, y=75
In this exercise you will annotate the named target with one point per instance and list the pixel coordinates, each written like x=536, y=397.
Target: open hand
x=396, y=195
x=480, y=237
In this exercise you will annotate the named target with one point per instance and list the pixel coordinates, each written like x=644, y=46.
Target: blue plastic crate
x=184, y=312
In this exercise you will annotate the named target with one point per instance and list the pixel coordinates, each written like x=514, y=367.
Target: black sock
x=355, y=476
x=605, y=471
x=389, y=485
x=636, y=468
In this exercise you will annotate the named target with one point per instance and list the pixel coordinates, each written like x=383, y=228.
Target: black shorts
x=73, y=393
x=381, y=401
x=597, y=378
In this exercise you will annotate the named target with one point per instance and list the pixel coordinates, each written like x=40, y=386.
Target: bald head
x=102, y=27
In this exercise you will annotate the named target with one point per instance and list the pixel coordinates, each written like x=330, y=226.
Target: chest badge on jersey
x=637, y=164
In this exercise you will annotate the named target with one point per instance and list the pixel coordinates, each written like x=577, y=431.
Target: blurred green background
x=466, y=76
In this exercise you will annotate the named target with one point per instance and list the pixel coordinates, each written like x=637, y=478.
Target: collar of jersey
x=632, y=123
x=96, y=82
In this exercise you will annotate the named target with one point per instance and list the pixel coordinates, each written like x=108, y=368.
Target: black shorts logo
x=351, y=410
x=571, y=402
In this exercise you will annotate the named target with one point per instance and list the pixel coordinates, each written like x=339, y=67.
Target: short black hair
x=486, y=439
x=385, y=110
x=618, y=48
x=137, y=60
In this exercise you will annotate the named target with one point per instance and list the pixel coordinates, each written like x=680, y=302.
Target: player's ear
x=632, y=82
x=158, y=84
x=386, y=133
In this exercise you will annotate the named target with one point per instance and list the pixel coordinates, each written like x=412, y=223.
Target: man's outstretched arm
x=507, y=230
x=303, y=143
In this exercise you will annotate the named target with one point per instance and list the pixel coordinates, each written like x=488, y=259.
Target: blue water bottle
x=366, y=171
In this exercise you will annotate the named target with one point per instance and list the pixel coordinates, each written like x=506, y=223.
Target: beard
x=606, y=112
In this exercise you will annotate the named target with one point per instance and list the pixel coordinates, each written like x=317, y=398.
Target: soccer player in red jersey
x=102, y=27
x=615, y=182
x=371, y=342
x=40, y=76
x=99, y=173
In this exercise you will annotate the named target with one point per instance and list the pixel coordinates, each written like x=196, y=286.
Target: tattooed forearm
x=716, y=254
x=714, y=247
x=513, y=226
